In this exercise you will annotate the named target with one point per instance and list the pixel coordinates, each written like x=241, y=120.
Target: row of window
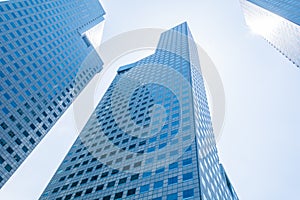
x=186, y=194
x=143, y=189
x=171, y=166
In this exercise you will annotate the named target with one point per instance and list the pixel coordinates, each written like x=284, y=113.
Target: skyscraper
x=150, y=137
x=278, y=22
x=43, y=56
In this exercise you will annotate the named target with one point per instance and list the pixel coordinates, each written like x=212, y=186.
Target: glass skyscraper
x=43, y=57
x=278, y=21
x=150, y=137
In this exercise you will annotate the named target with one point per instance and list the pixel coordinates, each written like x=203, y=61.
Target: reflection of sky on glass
x=259, y=146
x=282, y=33
x=265, y=25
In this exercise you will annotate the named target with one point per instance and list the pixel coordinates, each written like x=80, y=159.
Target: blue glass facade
x=278, y=21
x=43, y=44
x=150, y=137
x=288, y=9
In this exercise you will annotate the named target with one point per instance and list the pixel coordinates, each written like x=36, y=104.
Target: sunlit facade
x=43, y=68
x=278, y=21
x=150, y=137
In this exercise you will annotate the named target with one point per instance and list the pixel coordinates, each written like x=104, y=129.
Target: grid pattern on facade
x=108, y=161
x=41, y=52
x=288, y=9
x=275, y=26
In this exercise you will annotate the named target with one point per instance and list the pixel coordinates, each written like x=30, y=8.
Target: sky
x=259, y=146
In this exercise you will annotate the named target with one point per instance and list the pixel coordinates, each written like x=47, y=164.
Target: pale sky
x=259, y=146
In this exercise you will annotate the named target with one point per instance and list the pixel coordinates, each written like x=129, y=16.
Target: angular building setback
x=278, y=21
x=42, y=55
x=150, y=137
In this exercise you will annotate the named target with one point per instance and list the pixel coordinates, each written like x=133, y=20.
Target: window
x=68, y=168
x=158, y=184
x=118, y=195
x=25, y=149
x=9, y=150
x=152, y=139
x=144, y=188
x=99, y=166
x=122, y=180
x=1, y=160
x=173, y=166
x=160, y=170
x=106, y=197
x=74, y=184
x=163, y=135
x=134, y=177
x=173, y=180
x=4, y=126
x=94, y=178
x=111, y=184
x=157, y=198
x=89, y=169
x=77, y=165
x=172, y=196
x=83, y=181
x=88, y=191
x=71, y=175
x=187, y=161
x=188, y=193
x=17, y=157
x=187, y=176
x=100, y=187
x=86, y=41
x=105, y=174
x=80, y=173
x=64, y=187
x=131, y=192
x=137, y=164
x=151, y=149
x=55, y=190
x=8, y=167
x=85, y=162
x=78, y=194
x=162, y=145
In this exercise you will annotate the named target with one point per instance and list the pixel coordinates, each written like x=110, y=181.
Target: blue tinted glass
x=152, y=139
x=151, y=149
x=187, y=161
x=41, y=45
x=158, y=184
x=160, y=170
x=173, y=165
x=188, y=193
x=146, y=174
x=173, y=196
x=145, y=188
x=173, y=180
x=5, y=110
x=112, y=146
x=187, y=176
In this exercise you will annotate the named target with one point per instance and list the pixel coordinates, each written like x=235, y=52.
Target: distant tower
x=43, y=52
x=150, y=136
x=278, y=22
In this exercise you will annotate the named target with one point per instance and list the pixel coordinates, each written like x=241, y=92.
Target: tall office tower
x=43, y=55
x=278, y=21
x=150, y=136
